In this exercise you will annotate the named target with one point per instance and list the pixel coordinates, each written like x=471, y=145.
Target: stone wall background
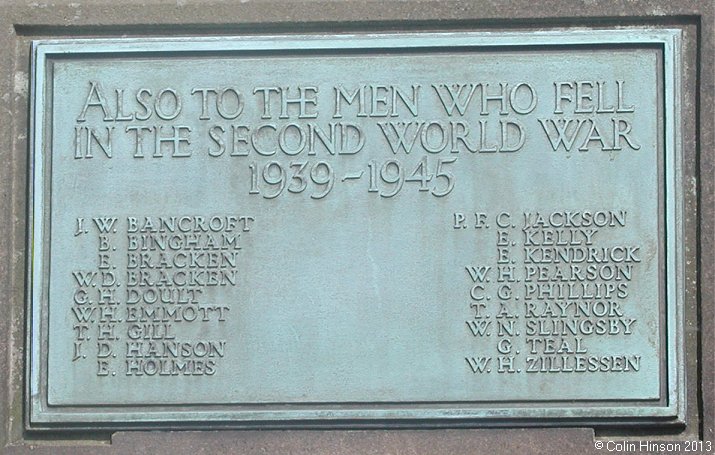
x=22, y=21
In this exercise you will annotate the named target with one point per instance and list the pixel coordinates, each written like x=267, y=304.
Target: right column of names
x=556, y=293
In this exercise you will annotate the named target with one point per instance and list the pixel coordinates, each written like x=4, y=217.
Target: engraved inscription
x=139, y=298
x=248, y=230
x=570, y=290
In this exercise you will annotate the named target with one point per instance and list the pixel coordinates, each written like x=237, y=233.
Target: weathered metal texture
x=357, y=229
x=23, y=22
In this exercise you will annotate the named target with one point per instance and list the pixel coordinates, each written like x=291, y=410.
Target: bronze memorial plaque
x=460, y=229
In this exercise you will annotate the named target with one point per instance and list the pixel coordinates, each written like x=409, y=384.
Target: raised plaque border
x=670, y=409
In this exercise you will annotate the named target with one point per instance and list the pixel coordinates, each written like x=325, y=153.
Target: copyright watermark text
x=654, y=446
